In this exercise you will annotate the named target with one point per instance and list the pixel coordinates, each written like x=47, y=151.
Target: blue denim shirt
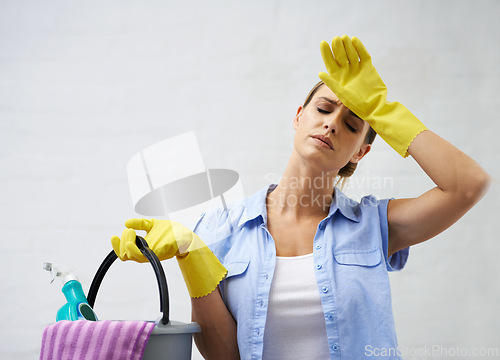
x=351, y=265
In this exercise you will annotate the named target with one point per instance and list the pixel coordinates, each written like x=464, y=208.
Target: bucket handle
x=158, y=269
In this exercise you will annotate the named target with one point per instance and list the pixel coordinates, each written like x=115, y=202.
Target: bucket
x=169, y=340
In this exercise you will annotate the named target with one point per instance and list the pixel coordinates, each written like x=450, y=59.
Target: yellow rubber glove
x=201, y=269
x=352, y=77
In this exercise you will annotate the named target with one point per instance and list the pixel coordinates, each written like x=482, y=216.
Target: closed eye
x=354, y=130
x=323, y=111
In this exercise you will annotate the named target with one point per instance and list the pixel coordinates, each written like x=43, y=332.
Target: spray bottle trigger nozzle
x=53, y=273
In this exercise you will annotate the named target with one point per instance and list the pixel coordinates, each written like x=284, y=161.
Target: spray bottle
x=77, y=307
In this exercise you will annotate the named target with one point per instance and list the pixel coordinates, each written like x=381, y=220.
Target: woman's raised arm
x=460, y=181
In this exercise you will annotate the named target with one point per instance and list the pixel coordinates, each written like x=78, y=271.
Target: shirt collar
x=255, y=206
x=347, y=206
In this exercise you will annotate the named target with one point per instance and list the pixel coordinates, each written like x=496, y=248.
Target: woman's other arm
x=460, y=181
x=217, y=339
x=196, y=261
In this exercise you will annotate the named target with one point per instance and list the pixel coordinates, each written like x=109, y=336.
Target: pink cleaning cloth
x=82, y=339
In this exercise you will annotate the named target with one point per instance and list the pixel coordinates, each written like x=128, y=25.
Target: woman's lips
x=323, y=141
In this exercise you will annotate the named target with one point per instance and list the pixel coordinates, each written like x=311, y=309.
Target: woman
x=306, y=266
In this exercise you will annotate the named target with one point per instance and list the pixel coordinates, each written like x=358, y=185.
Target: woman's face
x=328, y=135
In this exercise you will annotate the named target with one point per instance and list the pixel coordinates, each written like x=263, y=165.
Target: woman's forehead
x=324, y=91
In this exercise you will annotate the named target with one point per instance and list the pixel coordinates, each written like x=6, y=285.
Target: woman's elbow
x=477, y=186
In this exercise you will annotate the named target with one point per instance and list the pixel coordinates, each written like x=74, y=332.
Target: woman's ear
x=296, y=119
x=363, y=150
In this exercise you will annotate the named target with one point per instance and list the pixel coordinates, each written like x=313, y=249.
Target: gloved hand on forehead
x=201, y=269
x=352, y=77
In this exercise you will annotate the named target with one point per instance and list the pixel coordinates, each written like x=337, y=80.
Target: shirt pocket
x=366, y=258
x=236, y=268
x=236, y=288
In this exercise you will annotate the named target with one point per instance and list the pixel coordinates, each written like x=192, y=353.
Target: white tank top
x=295, y=324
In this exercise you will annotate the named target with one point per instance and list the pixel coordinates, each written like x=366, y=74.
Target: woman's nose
x=332, y=122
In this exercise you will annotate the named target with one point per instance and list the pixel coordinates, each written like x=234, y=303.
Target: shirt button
x=330, y=317
x=336, y=347
x=318, y=247
x=322, y=226
x=318, y=266
x=266, y=276
x=325, y=289
x=261, y=303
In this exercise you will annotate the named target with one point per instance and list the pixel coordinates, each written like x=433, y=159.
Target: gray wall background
x=84, y=85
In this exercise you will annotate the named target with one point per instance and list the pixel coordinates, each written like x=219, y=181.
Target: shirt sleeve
x=396, y=261
x=206, y=228
x=214, y=228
